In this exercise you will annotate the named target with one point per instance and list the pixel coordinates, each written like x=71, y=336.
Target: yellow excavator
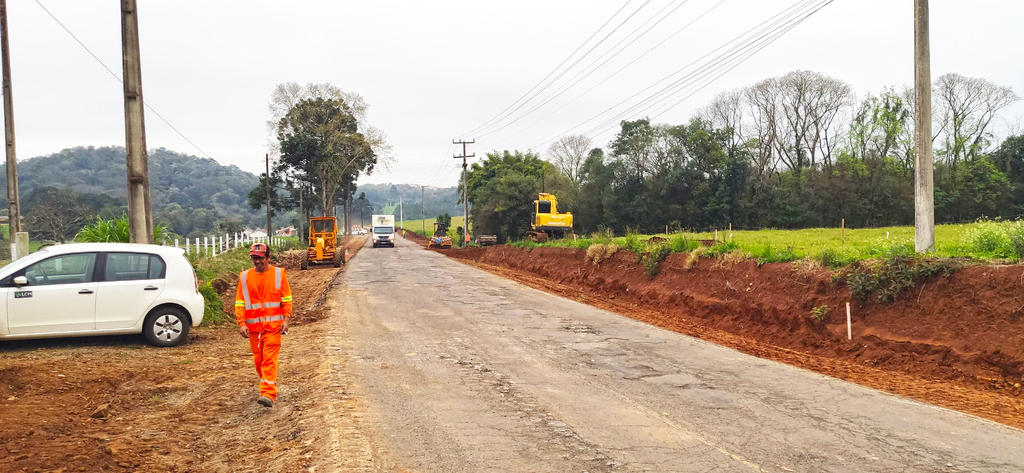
x=323, y=246
x=547, y=222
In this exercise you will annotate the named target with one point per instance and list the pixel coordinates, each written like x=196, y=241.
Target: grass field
x=987, y=240
x=428, y=224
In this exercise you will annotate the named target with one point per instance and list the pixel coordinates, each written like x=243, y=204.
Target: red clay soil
x=956, y=341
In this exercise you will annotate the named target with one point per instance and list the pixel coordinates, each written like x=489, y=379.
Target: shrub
x=1015, y=231
x=213, y=312
x=891, y=278
x=653, y=258
x=768, y=254
x=723, y=247
x=829, y=258
x=820, y=313
x=603, y=235
x=634, y=243
x=116, y=231
x=680, y=244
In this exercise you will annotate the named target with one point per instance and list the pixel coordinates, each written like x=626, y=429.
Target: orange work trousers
x=265, y=347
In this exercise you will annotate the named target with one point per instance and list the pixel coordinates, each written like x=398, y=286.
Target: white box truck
x=383, y=231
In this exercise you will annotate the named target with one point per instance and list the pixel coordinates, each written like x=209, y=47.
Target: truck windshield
x=323, y=226
x=383, y=230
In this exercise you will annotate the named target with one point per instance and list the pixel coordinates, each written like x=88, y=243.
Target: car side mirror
x=20, y=281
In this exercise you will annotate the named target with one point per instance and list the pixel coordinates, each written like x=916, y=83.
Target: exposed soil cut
x=956, y=341
x=117, y=404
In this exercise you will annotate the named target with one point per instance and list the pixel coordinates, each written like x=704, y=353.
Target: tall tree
x=320, y=142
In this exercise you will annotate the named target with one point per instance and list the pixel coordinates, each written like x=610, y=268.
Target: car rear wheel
x=166, y=327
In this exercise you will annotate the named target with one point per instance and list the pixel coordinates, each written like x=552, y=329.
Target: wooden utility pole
x=302, y=214
x=423, y=208
x=924, y=192
x=269, y=190
x=465, y=191
x=140, y=212
x=14, y=210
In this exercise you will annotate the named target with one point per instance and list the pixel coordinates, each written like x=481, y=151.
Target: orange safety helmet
x=259, y=249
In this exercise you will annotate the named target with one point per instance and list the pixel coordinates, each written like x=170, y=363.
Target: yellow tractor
x=323, y=246
x=547, y=221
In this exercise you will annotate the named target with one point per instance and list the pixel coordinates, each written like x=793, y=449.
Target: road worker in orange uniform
x=263, y=304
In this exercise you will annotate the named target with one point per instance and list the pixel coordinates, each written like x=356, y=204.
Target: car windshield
x=382, y=230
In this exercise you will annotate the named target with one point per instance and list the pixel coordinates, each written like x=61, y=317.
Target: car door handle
x=150, y=288
x=85, y=291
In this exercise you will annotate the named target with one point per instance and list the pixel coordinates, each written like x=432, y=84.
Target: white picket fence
x=212, y=246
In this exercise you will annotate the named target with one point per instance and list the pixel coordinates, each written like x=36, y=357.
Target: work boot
x=265, y=401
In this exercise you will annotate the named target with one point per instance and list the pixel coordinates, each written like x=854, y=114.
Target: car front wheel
x=166, y=327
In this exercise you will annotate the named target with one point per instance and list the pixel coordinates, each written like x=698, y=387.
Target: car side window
x=63, y=269
x=133, y=267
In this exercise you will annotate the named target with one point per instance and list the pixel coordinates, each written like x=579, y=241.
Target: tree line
x=796, y=151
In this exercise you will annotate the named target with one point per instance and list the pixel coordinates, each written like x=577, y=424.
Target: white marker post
x=849, y=326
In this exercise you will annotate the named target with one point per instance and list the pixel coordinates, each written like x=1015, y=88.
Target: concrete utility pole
x=140, y=212
x=269, y=190
x=302, y=215
x=19, y=239
x=423, y=208
x=465, y=192
x=924, y=192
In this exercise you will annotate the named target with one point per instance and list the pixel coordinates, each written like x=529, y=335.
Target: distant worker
x=263, y=304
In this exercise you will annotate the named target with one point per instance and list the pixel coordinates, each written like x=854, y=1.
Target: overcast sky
x=435, y=71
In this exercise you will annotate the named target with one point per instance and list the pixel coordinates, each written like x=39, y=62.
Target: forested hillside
x=204, y=195
x=431, y=201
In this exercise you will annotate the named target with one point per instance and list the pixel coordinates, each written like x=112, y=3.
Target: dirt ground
x=955, y=341
x=117, y=404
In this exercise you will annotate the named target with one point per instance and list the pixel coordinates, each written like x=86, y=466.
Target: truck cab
x=382, y=232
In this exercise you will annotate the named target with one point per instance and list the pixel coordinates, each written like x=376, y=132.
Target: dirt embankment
x=955, y=341
x=116, y=404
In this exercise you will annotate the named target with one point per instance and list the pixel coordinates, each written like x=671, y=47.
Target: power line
x=553, y=70
x=786, y=16
x=574, y=99
x=589, y=69
x=560, y=74
x=728, y=60
x=119, y=79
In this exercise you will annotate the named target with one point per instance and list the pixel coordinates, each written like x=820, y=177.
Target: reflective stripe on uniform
x=286, y=299
x=277, y=278
x=239, y=303
x=254, y=321
x=271, y=304
x=245, y=290
x=255, y=306
x=267, y=381
x=273, y=318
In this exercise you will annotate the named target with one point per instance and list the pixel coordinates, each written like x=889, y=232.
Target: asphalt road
x=462, y=370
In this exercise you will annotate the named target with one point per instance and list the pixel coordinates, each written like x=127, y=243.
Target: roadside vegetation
x=987, y=240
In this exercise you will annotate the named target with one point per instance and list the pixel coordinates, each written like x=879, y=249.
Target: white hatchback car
x=84, y=289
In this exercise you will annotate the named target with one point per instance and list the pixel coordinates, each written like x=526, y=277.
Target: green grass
x=428, y=224
x=985, y=240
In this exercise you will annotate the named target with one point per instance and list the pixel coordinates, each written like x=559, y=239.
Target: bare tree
x=797, y=118
x=59, y=215
x=569, y=152
x=726, y=111
x=965, y=108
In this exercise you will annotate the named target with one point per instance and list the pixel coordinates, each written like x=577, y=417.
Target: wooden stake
x=849, y=326
x=843, y=227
